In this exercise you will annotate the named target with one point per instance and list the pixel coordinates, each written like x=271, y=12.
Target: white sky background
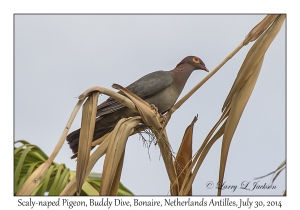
x=57, y=57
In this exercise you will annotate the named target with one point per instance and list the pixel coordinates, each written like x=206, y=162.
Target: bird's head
x=194, y=61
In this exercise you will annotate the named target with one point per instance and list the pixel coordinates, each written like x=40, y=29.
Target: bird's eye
x=196, y=60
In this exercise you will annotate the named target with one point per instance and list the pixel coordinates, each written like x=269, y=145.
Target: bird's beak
x=205, y=69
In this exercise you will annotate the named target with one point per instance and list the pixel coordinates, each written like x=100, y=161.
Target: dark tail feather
x=104, y=124
x=73, y=139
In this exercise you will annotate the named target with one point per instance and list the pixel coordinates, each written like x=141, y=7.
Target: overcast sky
x=57, y=57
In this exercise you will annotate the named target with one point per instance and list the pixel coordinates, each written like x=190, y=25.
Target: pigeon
x=160, y=88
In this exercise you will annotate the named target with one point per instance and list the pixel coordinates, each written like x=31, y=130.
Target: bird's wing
x=144, y=87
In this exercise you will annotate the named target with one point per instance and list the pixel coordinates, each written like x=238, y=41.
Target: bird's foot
x=163, y=119
x=155, y=108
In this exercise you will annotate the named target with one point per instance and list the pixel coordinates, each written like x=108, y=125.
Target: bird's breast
x=164, y=99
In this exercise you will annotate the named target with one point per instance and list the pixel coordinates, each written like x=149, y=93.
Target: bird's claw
x=154, y=108
x=162, y=119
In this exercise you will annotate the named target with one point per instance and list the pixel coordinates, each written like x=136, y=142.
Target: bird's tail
x=104, y=125
x=73, y=139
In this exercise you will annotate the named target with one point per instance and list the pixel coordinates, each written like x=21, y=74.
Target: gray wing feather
x=144, y=87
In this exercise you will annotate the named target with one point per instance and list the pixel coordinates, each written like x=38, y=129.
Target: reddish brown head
x=194, y=61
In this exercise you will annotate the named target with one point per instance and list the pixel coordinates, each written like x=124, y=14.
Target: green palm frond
x=28, y=157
